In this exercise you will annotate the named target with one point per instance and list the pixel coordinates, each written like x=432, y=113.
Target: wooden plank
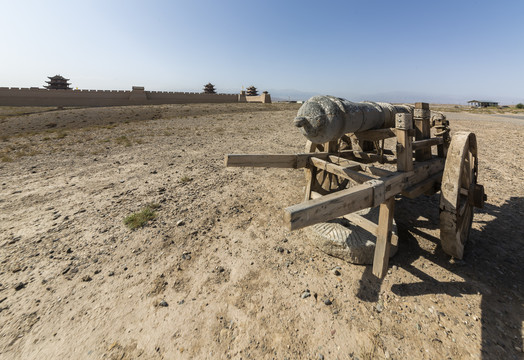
x=395, y=184
x=328, y=207
x=422, y=129
x=355, y=165
x=374, y=170
x=385, y=223
x=375, y=135
x=345, y=162
x=421, y=144
x=423, y=187
x=371, y=156
x=294, y=161
x=311, y=173
x=404, y=151
x=361, y=221
x=356, y=198
x=344, y=172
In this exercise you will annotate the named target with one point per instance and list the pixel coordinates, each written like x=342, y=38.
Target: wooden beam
x=294, y=161
x=362, y=222
x=374, y=170
x=385, y=223
x=422, y=114
x=423, y=187
x=397, y=183
x=359, y=197
x=344, y=172
x=370, y=156
x=328, y=207
x=421, y=144
x=344, y=162
x=375, y=135
x=355, y=165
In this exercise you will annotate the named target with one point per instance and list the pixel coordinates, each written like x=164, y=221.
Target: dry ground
x=215, y=275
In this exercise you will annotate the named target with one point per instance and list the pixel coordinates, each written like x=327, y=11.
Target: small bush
x=123, y=140
x=520, y=106
x=139, y=219
x=185, y=179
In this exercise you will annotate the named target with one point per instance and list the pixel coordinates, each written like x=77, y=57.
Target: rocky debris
x=180, y=223
x=19, y=286
x=86, y=278
x=163, y=303
x=186, y=255
x=305, y=294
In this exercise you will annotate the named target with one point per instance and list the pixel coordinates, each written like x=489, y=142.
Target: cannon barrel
x=326, y=118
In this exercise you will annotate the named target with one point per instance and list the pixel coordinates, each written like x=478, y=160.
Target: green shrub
x=520, y=106
x=139, y=219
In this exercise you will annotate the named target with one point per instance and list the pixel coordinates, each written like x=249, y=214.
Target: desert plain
x=215, y=275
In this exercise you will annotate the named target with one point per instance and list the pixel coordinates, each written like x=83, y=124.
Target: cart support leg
x=422, y=114
x=385, y=223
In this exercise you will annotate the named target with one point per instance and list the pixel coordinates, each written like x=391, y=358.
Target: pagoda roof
x=57, y=77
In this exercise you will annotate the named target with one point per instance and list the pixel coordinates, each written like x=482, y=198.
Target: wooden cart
x=356, y=172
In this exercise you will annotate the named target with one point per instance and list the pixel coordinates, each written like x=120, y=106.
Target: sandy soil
x=215, y=275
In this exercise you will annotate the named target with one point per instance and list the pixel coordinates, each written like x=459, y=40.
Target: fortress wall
x=45, y=97
x=185, y=98
x=262, y=98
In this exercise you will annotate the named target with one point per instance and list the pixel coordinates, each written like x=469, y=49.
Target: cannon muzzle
x=326, y=118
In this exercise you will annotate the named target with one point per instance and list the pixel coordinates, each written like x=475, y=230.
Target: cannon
x=348, y=169
x=325, y=118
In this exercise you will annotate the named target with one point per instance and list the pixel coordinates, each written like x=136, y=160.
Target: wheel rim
x=324, y=182
x=456, y=206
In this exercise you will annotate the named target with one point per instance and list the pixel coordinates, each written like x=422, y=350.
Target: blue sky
x=437, y=51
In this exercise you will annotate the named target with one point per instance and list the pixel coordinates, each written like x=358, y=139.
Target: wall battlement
x=12, y=96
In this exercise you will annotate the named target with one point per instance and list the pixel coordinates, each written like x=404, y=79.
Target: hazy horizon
x=440, y=52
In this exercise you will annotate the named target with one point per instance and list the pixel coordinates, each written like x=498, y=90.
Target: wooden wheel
x=457, y=192
x=322, y=181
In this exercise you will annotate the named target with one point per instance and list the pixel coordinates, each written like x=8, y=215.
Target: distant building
x=252, y=91
x=483, y=103
x=57, y=82
x=209, y=89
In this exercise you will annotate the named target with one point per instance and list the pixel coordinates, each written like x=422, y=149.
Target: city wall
x=138, y=96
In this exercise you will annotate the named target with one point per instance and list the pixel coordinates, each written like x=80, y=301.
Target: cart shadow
x=491, y=268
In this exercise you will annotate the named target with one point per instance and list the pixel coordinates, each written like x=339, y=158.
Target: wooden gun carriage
x=348, y=168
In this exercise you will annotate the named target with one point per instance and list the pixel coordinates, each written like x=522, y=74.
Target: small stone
x=180, y=223
x=320, y=357
x=69, y=251
x=163, y=303
x=518, y=349
x=111, y=273
x=181, y=302
x=327, y=301
x=379, y=307
x=86, y=278
x=336, y=272
x=394, y=267
x=280, y=249
x=305, y=294
x=20, y=286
